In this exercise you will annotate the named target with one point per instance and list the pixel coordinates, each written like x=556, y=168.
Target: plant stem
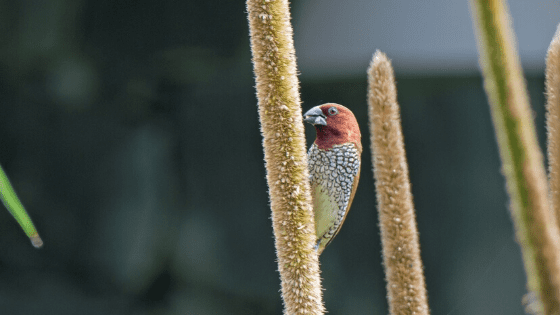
x=536, y=229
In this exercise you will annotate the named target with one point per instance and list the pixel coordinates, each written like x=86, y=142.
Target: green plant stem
x=12, y=203
x=523, y=167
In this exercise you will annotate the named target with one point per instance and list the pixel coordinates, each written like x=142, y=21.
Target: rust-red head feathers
x=335, y=124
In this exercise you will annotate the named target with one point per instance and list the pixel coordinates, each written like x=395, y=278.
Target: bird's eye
x=333, y=111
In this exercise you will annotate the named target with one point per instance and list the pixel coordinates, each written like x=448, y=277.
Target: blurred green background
x=130, y=132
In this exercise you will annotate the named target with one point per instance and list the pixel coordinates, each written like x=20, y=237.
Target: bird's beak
x=315, y=116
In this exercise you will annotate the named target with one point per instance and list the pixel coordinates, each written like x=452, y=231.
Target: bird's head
x=335, y=124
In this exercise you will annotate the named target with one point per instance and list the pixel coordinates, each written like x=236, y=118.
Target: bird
x=334, y=161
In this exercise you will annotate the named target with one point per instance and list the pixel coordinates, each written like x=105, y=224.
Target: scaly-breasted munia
x=334, y=161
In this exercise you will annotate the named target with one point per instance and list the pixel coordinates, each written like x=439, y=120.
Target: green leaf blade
x=14, y=205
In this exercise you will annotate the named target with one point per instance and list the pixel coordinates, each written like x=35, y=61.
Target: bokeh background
x=130, y=132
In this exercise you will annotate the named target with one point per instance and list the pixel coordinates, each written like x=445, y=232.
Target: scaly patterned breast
x=333, y=174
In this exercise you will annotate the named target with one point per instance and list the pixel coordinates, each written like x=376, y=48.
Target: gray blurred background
x=130, y=131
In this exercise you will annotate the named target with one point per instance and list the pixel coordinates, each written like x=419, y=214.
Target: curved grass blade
x=12, y=203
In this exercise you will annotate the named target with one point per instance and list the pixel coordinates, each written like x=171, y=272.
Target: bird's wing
x=326, y=209
x=330, y=215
